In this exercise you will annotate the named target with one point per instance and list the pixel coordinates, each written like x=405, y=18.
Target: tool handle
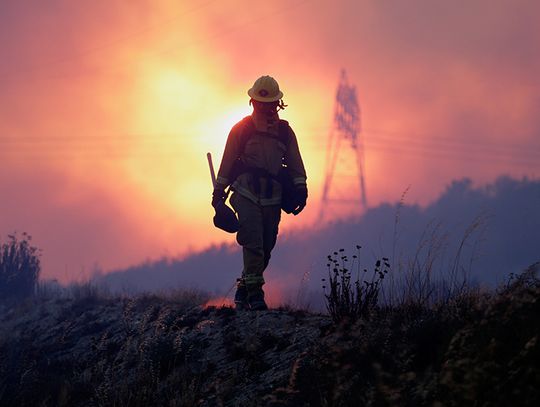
x=212, y=172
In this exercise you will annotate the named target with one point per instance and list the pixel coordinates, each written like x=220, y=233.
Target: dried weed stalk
x=347, y=299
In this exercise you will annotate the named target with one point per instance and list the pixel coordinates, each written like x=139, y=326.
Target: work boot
x=240, y=298
x=256, y=301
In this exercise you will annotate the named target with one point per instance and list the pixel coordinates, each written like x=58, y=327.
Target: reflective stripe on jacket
x=263, y=150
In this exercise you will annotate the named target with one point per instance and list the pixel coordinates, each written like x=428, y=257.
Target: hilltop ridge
x=478, y=349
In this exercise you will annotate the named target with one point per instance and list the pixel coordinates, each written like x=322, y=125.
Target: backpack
x=248, y=128
x=289, y=200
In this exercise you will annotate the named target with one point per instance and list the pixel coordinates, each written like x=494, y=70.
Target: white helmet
x=265, y=89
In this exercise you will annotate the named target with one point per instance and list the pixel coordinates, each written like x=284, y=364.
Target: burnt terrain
x=478, y=349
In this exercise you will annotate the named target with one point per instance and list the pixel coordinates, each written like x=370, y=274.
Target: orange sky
x=107, y=112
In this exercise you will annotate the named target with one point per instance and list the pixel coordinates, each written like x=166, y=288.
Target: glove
x=301, y=197
x=218, y=196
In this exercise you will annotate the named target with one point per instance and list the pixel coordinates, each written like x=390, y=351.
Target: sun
x=217, y=128
x=188, y=101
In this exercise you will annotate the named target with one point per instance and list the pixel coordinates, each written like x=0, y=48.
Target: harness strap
x=258, y=174
x=248, y=129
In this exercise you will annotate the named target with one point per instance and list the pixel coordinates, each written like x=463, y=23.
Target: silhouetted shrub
x=348, y=299
x=19, y=268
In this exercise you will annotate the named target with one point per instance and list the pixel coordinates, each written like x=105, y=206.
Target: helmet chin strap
x=277, y=107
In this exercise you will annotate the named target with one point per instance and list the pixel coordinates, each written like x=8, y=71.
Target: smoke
x=105, y=98
x=70, y=222
x=483, y=233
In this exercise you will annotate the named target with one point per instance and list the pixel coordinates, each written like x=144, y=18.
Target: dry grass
x=475, y=349
x=124, y=351
x=147, y=350
x=350, y=295
x=19, y=268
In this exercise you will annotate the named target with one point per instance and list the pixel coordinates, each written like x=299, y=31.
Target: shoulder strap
x=248, y=128
x=246, y=132
x=283, y=132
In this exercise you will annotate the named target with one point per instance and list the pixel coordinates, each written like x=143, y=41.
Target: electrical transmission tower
x=344, y=177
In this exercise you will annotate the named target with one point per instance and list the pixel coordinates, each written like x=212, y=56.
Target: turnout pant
x=257, y=236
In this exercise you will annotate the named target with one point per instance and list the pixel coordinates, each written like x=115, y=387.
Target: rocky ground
x=478, y=349
x=147, y=351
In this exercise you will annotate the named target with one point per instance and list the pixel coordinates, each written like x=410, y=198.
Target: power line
x=146, y=151
x=528, y=161
x=160, y=138
x=13, y=140
x=430, y=152
x=443, y=142
x=470, y=145
x=464, y=149
x=25, y=143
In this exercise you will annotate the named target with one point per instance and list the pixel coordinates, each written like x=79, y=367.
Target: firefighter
x=264, y=168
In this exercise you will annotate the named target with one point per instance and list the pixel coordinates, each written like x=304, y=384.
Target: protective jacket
x=264, y=152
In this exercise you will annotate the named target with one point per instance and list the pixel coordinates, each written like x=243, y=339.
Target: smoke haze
x=499, y=225
x=107, y=111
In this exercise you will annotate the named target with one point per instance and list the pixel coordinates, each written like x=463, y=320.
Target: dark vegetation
x=19, y=268
x=87, y=347
x=410, y=331
x=349, y=298
x=476, y=349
